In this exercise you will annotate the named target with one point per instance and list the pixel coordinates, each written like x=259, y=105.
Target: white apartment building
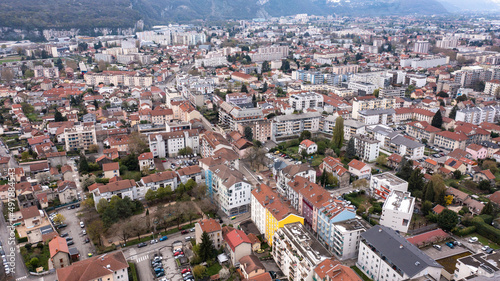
x=304, y=101
x=168, y=144
x=154, y=181
x=421, y=47
x=362, y=87
x=428, y=62
x=297, y=252
x=118, y=78
x=231, y=191
x=346, y=237
x=79, y=137
x=211, y=59
x=370, y=102
x=367, y=148
x=385, y=255
x=269, y=53
x=122, y=189
x=231, y=115
x=398, y=210
x=377, y=116
x=345, y=69
x=491, y=87
x=476, y=115
x=353, y=127
x=288, y=126
x=381, y=185
x=380, y=79
x=406, y=147
x=448, y=42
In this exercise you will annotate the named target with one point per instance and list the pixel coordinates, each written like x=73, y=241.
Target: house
x=111, y=266
x=484, y=175
x=335, y=166
x=190, y=172
x=332, y=270
x=382, y=251
x=31, y=216
x=238, y=245
x=59, y=252
x=121, y=188
x=255, y=241
x=251, y=266
x=359, y=169
x=154, y=181
x=480, y=266
x=212, y=228
x=477, y=151
x=111, y=170
x=146, y=161
x=66, y=191
x=308, y=146
x=431, y=165
x=4, y=166
x=382, y=184
x=438, y=209
x=398, y=210
x=495, y=197
x=453, y=165
x=394, y=160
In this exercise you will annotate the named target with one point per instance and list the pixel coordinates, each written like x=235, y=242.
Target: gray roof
x=400, y=140
x=279, y=165
x=353, y=123
x=297, y=116
x=398, y=250
x=368, y=112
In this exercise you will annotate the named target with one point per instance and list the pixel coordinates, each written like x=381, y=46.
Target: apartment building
x=381, y=185
x=468, y=76
x=421, y=47
x=345, y=237
x=289, y=172
x=289, y=126
x=367, y=148
x=211, y=142
x=370, y=102
x=377, y=116
x=480, y=266
x=270, y=212
x=451, y=140
x=121, y=188
x=303, y=101
x=330, y=269
x=345, y=69
x=79, y=137
x=297, y=252
x=335, y=166
x=422, y=130
x=212, y=228
x=229, y=190
x=167, y=179
x=111, y=266
x=379, y=79
x=477, y=115
x=353, y=127
x=386, y=255
x=406, y=147
x=231, y=115
x=492, y=87
x=398, y=210
x=269, y=53
x=261, y=129
x=118, y=78
x=168, y=144
x=211, y=59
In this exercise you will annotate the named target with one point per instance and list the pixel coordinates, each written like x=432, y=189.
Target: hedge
x=132, y=272
x=486, y=230
x=466, y=231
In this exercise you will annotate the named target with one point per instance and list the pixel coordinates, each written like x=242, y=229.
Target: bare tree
x=7, y=75
x=207, y=206
x=137, y=143
x=255, y=156
x=125, y=231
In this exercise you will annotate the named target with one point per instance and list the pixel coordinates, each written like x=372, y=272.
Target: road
x=4, y=152
x=20, y=268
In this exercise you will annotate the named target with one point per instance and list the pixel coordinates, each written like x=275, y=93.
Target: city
x=300, y=147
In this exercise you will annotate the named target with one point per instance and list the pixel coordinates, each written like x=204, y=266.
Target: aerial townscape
x=269, y=140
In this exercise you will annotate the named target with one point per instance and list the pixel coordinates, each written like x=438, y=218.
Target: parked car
x=61, y=226
x=142, y=244
x=164, y=238
x=71, y=243
x=485, y=248
x=185, y=270
x=188, y=238
x=184, y=232
x=187, y=274
x=178, y=253
x=69, y=238
x=437, y=247
x=154, y=241
x=192, y=229
x=64, y=234
x=450, y=244
x=82, y=225
x=473, y=239
x=160, y=274
x=87, y=240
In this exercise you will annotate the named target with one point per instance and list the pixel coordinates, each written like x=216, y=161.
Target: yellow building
x=269, y=212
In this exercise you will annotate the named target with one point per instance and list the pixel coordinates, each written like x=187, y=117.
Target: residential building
x=335, y=166
x=270, y=212
x=111, y=170
x=330, y=270
x=261, y=129
x=290, y=126
x=367, y=148
x=492, y=87
x=451, y=140
x=381, y=185
x=111, y=266
x=422, y=131
x=308, y=146
x=289, y=172
x=421, y=47
x=346, y=237
x=370, y=102
x=229, y=190
x=359, y=169
x=303, y=101
x=398, y=210
x=211, y=142
x=477, y=151
x=407, y=148
x=386, y=255
x=477, y=115
x=119, y=78
x=212, y=228
x=59, y=253
x=269, y=53
x=377, y=116
x=119, y=188
x=146, y=161
x=480, y=265
x=230, y=115
x=238, y=244
x=79, y=137
x=168, y=144
x=190, y=173
x=251, y=266
x=297, y=252
x=353, y=127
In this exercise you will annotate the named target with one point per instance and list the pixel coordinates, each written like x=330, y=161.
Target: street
x=20, y=269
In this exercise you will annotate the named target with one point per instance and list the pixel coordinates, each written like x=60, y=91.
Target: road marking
x=21, y=278
x=143, y=258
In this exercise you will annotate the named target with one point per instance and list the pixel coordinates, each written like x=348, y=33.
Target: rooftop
x=399, y=201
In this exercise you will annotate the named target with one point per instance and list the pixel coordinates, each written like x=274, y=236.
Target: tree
x=96, y=105
x=338, y=133
x=84, y=165
x=59, y=219
x=125, y=231
x=94, y=229
x=137, y=143
x=448, y=199
x=186, y=151
x=488, y=209
x=437, y=120
x=244, y=88
x=199, y=271
x=426, y=207
x=255, y=156
x=264, y=87
x=439, y=188
x=351, y=149
x=360, y=184
x=265, y=66
x=305, y=135
x=93, y=148
x=416, y=181
x=405, y=169
x=207, y=248
x=381, y=160
x=429, y=192
x=453, y=112
x=447, y=219
x=484, y=185
x=490, y=165
x=457, y=174
x=248, y=133
x=376, y=92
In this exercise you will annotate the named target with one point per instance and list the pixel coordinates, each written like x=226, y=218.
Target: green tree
x=102, y=205
x=151, y=195
x=264, y=87
x=305, y=135
x=59, y=218
x=351, y=149
x=453, y=112
x=381, y=160
x=405, y=169
x=58, y=117
x=426, y=207
x=84, y=165
x=338, y=133
x=416, y=181
x=484, y=185
x=447, y=219
x=488, y=209
x=199, y=271
x=207, y=249
x=244, y=88
x=248, y=133
x=437, y=120
x=376, y=93
x=429, y=191
x=265, y=66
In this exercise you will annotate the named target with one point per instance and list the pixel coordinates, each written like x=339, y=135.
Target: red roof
x=428, y=237
x=307, y=143
x=438, y=209
x=236, y=238
x=57, y=245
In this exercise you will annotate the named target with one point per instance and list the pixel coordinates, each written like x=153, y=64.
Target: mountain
x=468, y=5
x=85, y=14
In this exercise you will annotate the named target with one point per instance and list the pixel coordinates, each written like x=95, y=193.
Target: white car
x=473, y=239
x=82, y=225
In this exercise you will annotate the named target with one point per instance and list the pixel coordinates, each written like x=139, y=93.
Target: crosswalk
x=143, y=258
x=21, y=278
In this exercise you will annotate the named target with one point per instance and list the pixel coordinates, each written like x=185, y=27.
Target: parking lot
x=75, y=231
x=444, y=252
x=142, y=257
x=179, y=162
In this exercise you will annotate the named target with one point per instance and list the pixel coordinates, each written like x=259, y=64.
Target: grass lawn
x=359, y=200
x=10, y=59
x=450, y=263
x=42, y=254
x=360, y=273
x=485, y=241
x=214, y=269
x=317, y=160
